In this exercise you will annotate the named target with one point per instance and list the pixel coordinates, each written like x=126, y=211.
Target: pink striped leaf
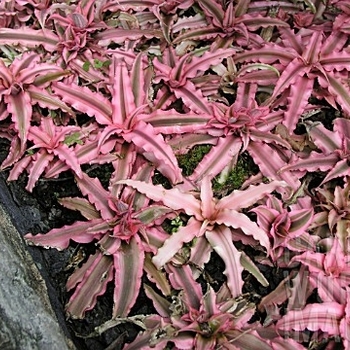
x=46, y=100
x=21, y=110
x=155, y=149
x=182, y=279
x=232, y=218
x=123, y=102
x=268, y=54
x=213, y=10
x=29, y=37
x=119, y=35
x=338, y=89
x=82, y=205
x=172, y=122
x=323, y=316
x=175, y=242
x=173, y=198
x=192, y=22
x=40, y=161
x=298, y=98
x=91, y=280
x=218, y=157
x=92, y=188
x=192, y=98
x=221, y=240
x=243, y=199
x=254, y=22
x=14, y=155
x=128, y=265
x=290, y=76
x=59, y=238
x=270, y=163
x=161, y=304
x=156, y=276
x=185, y=69
x=316, y=161
x=326, y=140
x=86, y=101
x=203, y=33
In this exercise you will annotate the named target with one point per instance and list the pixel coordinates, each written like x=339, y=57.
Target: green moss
x=244, y=168
x=189, y=161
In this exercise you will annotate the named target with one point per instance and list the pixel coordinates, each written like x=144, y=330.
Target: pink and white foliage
x=119, y=225
x=329, y=272
x=50, y=141
x=176, y=72
x=315, y=56
x=209, y=216
x=129, y=99
x=237, y=76
x=334, y=147
x=24, y=75
x=237, y=127
x=283, y=227
x=197, y=320
x=225, y=23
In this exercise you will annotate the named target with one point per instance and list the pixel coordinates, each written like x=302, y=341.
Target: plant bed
x=185, y=165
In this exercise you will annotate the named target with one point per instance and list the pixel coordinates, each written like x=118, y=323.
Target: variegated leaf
x=92, y=279
x=128, y=265
x=221, y=240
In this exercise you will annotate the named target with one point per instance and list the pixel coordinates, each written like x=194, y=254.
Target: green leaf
x=86, y=66
x=72, y=139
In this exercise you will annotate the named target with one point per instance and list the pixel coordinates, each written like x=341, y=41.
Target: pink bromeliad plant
x=140, y=85
x=197, y=320
x=23, y=84
x=213, y=219
x=123, y=226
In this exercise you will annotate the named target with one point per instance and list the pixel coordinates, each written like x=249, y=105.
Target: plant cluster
x=140, y=85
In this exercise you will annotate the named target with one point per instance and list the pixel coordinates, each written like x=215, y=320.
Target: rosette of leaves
x=124, y=227
x=216, y=222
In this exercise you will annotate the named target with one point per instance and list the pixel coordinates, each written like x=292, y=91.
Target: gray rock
x=27, y=321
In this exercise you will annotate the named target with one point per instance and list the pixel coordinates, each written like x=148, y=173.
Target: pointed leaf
x=182, y=279
x=123, y=102
x=94, y=276
x=207, y=198
x=172, y=122
x=243, y=199
x=128, y=264
x=59, y=238
x=156, y=276
x=160, y=304
x=249, y=265
x=218, y=157
x=29, y=37
x=39, y=163
x=324, y=316
x=92, y=188
x=82, y=205
x=221, y=240
x=155, y=149
x=86, y=101
x=20, y=107
x=172, y=198
x=298, y=98
x=338, y=89
x=192, y=98
x=241, y=221
x=175, y=242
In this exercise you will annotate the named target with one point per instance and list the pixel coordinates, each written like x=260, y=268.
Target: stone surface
x=27, y=320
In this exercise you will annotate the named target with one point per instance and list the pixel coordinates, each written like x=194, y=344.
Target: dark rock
x=27, y=320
